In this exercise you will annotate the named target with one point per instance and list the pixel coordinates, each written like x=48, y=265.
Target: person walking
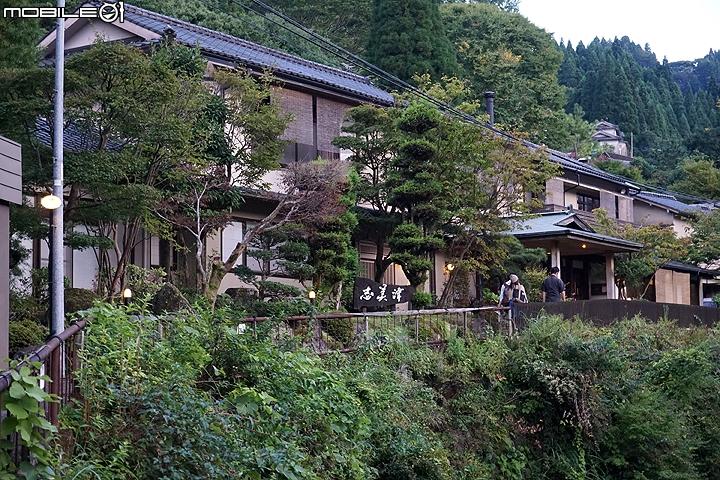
x=553, y=289
x=512, y=291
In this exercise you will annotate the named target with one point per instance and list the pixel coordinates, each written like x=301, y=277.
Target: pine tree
x=408, y=38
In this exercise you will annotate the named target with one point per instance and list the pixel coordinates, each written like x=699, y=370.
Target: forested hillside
x=624, y=83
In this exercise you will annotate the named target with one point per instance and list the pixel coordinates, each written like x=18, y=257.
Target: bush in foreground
x=189, y=397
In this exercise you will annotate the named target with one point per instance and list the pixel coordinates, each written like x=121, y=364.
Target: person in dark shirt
x=553, y=289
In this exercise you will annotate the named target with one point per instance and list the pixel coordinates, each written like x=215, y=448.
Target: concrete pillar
x=612, y=292
x=701, y=293
x=555, y=254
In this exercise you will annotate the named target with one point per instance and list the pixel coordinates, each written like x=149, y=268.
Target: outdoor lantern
x=127, y=295
x=50, y=202
x=311, y=294
x=450, y=267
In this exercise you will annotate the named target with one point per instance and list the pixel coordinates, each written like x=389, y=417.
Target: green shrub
x=77, y=299
x=25, y=333
x=430, y=329
x=144, y=283
x=421, y=300
x=341, y=329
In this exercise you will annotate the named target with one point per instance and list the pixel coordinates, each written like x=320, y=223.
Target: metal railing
x=59, y=360
x=421, y=326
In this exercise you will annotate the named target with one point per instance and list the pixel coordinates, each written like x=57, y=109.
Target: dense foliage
x=195, y=399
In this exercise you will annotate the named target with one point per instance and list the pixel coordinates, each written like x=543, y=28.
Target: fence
x=605, y=312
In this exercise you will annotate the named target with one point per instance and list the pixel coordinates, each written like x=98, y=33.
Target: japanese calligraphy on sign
x=372, y=294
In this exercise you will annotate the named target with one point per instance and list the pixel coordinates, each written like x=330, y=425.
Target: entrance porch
x=585, y=258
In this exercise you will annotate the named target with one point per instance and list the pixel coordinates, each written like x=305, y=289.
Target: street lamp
x=57, y=262
x=50, y=202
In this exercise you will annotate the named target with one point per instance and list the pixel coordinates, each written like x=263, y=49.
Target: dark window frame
x=587, y=203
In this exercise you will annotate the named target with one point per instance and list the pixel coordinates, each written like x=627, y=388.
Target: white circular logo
x=109, y=12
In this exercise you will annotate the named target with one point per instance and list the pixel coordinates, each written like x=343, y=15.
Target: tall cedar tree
x=408, y=38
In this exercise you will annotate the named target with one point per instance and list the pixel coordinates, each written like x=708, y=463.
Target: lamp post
x=313, y=318
x=53, y=203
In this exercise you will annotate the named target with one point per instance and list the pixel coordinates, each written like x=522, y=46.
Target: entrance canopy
x=568, y=232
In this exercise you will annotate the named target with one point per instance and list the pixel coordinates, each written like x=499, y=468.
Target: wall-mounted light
x=623, y=191
x=584, y=246
x=50, y=202
x=450, y=267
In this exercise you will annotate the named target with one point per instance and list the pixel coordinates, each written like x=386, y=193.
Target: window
x=299, y=152
x=587, y=203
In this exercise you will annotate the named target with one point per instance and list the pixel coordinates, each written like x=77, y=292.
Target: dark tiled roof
x=564, y=223
x=570, y=164
x=76, y=138
x=684, y=267
x=604, y=136
x=670, y=202
x=618, y=157
x=257, y=56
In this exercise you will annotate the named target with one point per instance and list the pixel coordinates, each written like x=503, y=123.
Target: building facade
x=318, y=97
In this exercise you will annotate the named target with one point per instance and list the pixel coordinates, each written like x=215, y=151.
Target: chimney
x=169, y=34
x=490, y=106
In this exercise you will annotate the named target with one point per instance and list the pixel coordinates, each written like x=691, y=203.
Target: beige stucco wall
x=649, y=215
x=672, y=287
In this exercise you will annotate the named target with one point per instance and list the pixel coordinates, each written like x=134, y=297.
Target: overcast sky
x=676, y=29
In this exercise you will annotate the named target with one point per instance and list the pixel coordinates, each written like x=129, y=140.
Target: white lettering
x=12, y=12
x=88, y=12
x=108, y=12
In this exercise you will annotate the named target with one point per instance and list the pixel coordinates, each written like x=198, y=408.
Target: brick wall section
x=330, y=116
x=555, y=192
x=607, y=202
x=299, y=105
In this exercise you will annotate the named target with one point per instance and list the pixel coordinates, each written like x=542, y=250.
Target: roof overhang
x=576, y=242
x=692, y=269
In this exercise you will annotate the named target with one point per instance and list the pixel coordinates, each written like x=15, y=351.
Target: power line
x=257, y=27
x=350, y=58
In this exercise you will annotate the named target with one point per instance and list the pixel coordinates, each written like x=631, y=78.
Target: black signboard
x=372, y=294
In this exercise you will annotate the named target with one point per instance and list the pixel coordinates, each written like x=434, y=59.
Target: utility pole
x=57, y=266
